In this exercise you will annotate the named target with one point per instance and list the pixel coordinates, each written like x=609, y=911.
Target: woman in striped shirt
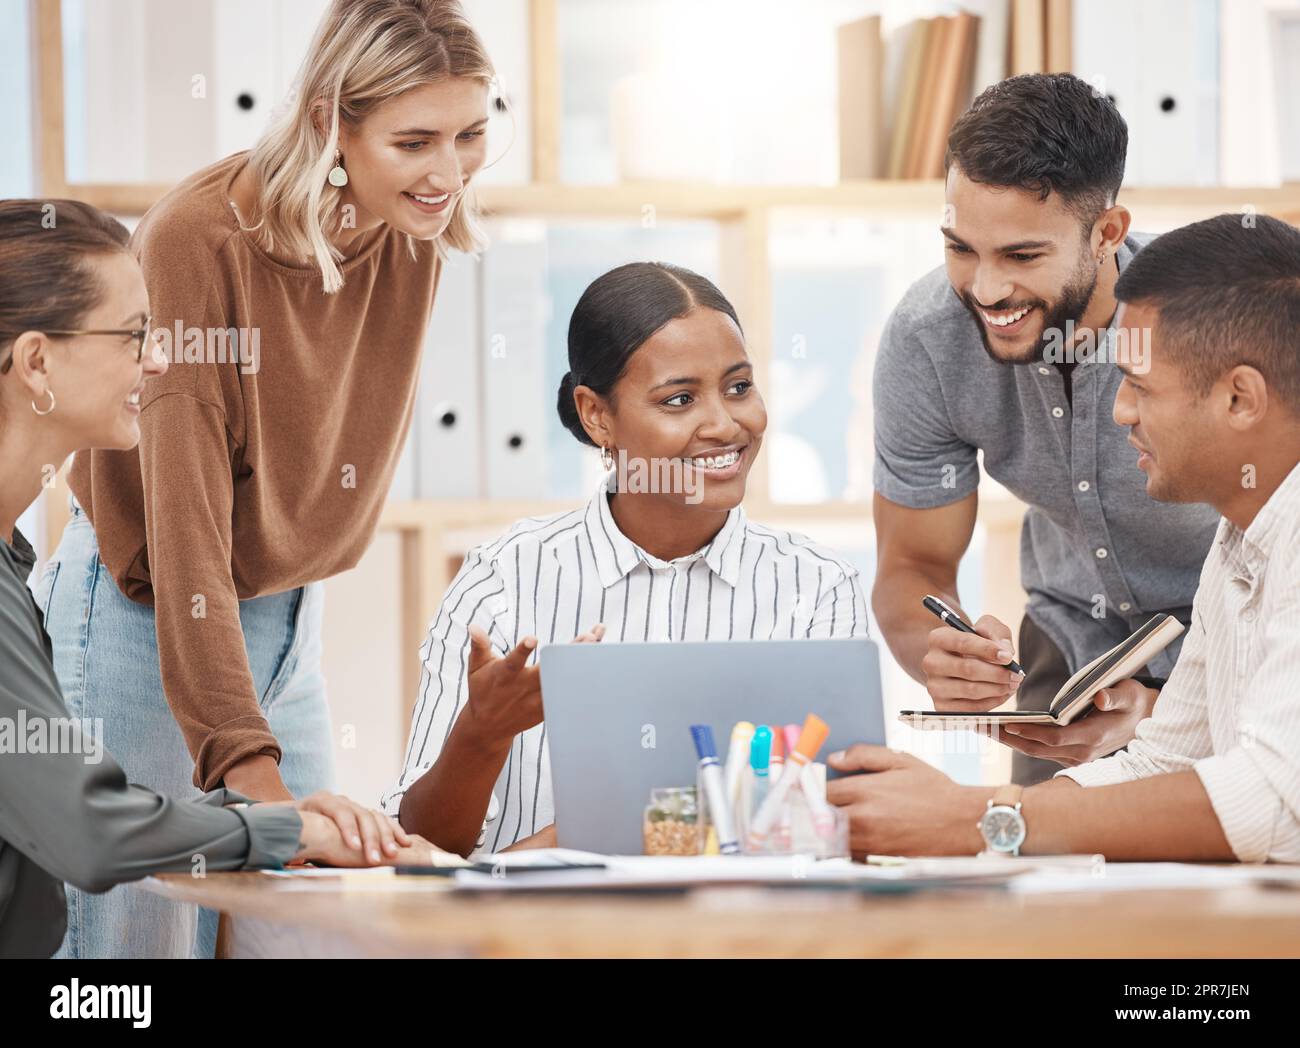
x=660, y=381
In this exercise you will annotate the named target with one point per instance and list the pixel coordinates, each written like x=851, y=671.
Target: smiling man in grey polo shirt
x=1008, y=350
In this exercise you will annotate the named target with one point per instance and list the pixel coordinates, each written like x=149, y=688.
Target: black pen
x=949, y=617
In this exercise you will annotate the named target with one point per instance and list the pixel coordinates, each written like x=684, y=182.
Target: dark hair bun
x=569, y=410
x=616, y=314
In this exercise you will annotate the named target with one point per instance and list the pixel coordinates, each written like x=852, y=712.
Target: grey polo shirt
x=1098, y=556
x=67, y=812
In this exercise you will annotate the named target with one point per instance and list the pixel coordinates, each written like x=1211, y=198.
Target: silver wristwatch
x=1002, y=826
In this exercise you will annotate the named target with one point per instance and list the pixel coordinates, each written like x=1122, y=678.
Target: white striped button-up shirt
x=557, y=577
x=1231, y=708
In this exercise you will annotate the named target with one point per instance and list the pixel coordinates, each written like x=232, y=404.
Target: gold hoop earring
x=338, y=177
x=606, y=458
x=38, y=411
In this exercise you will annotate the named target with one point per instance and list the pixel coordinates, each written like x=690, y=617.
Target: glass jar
x=800, y=830
x=671, y=822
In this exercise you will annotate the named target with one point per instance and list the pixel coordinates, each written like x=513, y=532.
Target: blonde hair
x=364, y=53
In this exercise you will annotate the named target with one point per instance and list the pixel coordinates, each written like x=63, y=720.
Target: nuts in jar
x=670, y=823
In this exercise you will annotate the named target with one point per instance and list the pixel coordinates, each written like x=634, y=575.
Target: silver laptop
x=618, y=717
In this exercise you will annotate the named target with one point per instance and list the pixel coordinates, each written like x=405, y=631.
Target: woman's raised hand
x=505, y=693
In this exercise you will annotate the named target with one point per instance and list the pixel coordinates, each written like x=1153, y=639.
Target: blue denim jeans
x=106, y=658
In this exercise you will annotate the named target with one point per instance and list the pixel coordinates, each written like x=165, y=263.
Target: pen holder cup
x=818, y=831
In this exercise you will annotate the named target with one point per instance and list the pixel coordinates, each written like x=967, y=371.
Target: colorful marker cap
x=760, y=749
x=778, y=746
x=704, y=745
x=813, y=737
x=742, y=734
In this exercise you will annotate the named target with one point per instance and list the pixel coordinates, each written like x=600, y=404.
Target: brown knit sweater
x=263, y=473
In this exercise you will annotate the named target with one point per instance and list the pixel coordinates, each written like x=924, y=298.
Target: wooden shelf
x=996, y=509
x=706, y=200
x=879, y=195
x=685, y=200
x=724, y=202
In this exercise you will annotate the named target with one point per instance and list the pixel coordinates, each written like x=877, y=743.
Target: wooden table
x=276, y=917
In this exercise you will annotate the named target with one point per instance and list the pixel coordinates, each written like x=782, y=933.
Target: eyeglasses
x=141, y=335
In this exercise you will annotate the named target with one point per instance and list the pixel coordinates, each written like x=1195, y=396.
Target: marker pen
x=776, y=764
x=737, y=760
x=813, y=781
x=714, y=791
x=760, y=781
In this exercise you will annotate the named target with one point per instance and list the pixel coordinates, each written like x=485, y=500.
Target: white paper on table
x=530, y=857
x=505, y=860
x=364, y=879
x=1151, y=876
x=639, y=871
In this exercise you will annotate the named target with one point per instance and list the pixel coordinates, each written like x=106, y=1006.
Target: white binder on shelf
x=503, y=25
x=1159, y=61
x=241, y=83
x=216, y=71
x=1251, y=108
x=513, y=354
x=994, y=37
x=1178, y=103
x=1285, y=32
x=260, y=45
x=295, y=25
x=402, y=488
x=448, y=409
x=130, y=111
x=1106, y=55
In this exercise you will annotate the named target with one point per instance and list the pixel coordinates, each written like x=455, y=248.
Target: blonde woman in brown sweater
x=290, y=289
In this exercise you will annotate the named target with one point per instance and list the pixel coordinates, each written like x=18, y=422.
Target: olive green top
x=70, y=815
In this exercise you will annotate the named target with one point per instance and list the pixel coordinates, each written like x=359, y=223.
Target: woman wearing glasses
x=72, y=302
x=185, y=601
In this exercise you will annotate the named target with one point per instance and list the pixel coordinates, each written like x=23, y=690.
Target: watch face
x=1003, y=829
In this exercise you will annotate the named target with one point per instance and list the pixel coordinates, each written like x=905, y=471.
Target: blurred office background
x=785, y=151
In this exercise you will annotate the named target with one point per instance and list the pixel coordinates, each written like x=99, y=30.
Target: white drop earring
x=338, y=177
x=606, y=458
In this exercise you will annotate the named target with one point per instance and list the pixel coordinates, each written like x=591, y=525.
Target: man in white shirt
x=1214, y=773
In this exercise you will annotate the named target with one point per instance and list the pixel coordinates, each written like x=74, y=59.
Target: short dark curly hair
x=1045, y=133
x=1227, y=292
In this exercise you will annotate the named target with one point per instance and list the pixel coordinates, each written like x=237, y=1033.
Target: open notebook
x=1076, y=695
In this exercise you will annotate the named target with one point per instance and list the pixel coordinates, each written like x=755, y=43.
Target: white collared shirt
x=557, y=577
x=1231, y=707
